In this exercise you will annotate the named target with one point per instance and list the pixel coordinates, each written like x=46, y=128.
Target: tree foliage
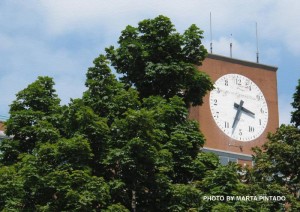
x=119, y=147
x=277, y=164
x=151, y=54
x=296, y=105
x=127, y=145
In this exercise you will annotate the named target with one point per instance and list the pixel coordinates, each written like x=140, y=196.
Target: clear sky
x=60, y=38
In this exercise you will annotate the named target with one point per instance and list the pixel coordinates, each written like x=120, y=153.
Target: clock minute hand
x=238, y=112
x=244, y=109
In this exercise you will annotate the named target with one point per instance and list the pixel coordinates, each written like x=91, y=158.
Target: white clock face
x=238, y=107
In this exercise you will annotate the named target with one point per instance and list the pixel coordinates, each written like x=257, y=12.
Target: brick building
x=238, y=114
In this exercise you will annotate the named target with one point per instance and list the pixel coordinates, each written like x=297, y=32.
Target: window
x=225, y=160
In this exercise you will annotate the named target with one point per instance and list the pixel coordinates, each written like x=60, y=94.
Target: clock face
x=238, y=107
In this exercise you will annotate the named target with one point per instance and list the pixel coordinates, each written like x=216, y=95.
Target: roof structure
x=242, y=62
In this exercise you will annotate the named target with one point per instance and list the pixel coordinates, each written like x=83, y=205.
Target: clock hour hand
x=238, y=113
x=244, y=109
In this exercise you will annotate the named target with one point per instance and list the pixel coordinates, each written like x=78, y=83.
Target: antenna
x=231, y=45
x=257, y=53
x=210, y=33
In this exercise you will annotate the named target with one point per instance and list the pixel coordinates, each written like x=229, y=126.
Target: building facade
x=243, y=107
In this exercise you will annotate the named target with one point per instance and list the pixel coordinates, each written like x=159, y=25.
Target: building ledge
x=228, y=154
x=242, y=62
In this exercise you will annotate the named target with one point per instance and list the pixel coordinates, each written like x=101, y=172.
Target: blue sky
x=60, y=38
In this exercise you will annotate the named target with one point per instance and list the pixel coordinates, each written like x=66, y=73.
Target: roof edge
x=242, y=62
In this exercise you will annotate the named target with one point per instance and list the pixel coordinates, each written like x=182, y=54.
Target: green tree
x=34, y=116
x=42, y=169
x=145, y=155
x=106, y=95
x=279, y=161
x=153, y=53
x=126, y=144
x=276, y=169
x=148, y=128
x=296, y=105
x=276, y=165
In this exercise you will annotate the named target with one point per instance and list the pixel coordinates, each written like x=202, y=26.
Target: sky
x=61, y=38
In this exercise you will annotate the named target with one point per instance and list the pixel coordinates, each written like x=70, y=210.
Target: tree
x=35, y=109
x=279, y=160
x=296, y=105
x=126, y=144
x=276, y=165
x=42, y=166
x=106, y=95
x=153, y=53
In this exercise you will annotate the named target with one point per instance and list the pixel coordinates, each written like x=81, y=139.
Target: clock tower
x=243, y=107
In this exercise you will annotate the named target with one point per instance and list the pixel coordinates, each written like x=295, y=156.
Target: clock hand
x=238, y=113
x=244, y=110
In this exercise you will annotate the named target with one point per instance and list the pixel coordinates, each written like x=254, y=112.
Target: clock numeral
x=251, y=129
x=262, y=110
x=226, y=82
x=248, y=85
x=218, y=90
x=240, y=132
x=216, y=115
x=215, y=102
x=259, y=121
x=226, y=124
x=238, y=81
x=259, y=97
